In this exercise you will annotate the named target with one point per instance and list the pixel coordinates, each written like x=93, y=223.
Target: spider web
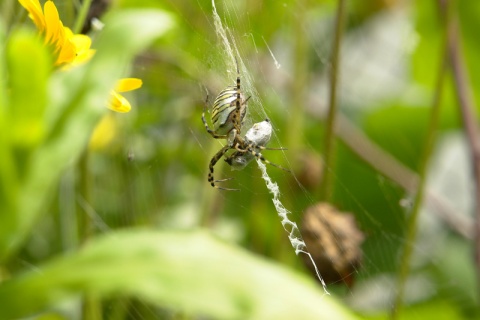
x=230, y=45
x=294, y=234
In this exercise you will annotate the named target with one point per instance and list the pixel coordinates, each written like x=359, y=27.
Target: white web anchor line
x=291, y=227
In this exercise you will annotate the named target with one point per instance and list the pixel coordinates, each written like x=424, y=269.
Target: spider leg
x=226, y=179
x=211, y=166
x=212, y=133
x=255, y=146
x=265, y=148
x=258, y=155
x=252, y=146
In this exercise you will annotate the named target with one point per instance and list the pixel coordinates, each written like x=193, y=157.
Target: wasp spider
x=228, y=113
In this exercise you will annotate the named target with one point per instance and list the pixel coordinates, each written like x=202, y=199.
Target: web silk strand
x=290, y=227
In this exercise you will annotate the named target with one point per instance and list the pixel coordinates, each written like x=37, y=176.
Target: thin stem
x=297, y=112
x=7, y=14
x=84, y=226
x=82, y=15
x=92, y=308
x=212, y=199
x=412, y=221
x=296, y=119
x=330, y=147
x=469, y=118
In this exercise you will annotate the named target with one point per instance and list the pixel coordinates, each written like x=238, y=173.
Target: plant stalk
x=469, y=117
x=84, y=192
x=82, y=16
x=412, y=220
x=326, y=189
x=297, y=110
x=92, y=307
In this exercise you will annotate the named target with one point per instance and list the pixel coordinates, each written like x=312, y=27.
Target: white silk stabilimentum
x=291, y=227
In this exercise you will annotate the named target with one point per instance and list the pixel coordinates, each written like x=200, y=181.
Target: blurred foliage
x=117, y=223
x=189, y=271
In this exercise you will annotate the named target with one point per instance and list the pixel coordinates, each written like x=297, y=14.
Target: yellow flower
x=73, y=49
x=69, y=49
x=117, y=101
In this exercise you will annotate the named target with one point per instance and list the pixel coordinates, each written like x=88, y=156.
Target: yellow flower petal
x=82, y=45
x=128, y=84
x=66, y=52
x=68, y=32
x=61, y=37
x=81, y=42
x=119, y=103
x=35, y=12
x=52, y=23
x=83, y=57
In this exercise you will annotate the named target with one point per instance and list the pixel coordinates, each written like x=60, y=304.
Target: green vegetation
x=107, y=215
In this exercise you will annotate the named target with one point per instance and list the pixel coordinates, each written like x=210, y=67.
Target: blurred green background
x=109, y=228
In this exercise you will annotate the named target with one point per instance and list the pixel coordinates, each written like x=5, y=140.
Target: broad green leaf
x=77, y=100
x=187, y=271
x=28, y=67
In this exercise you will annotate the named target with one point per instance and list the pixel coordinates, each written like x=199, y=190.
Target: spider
x=228, y=113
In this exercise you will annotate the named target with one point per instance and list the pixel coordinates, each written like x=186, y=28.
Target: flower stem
x=297, y=112
x=6, y=14
x=84, y=194
x=82, y=15
x=412, y=220
x=326, y=189
x=92, y=307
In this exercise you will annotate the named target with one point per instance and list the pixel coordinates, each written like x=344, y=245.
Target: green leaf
x=27, y=87
x=436, y=309
x=188, y=271
x=76, y=101
x=8, y=170
x=458, y=274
